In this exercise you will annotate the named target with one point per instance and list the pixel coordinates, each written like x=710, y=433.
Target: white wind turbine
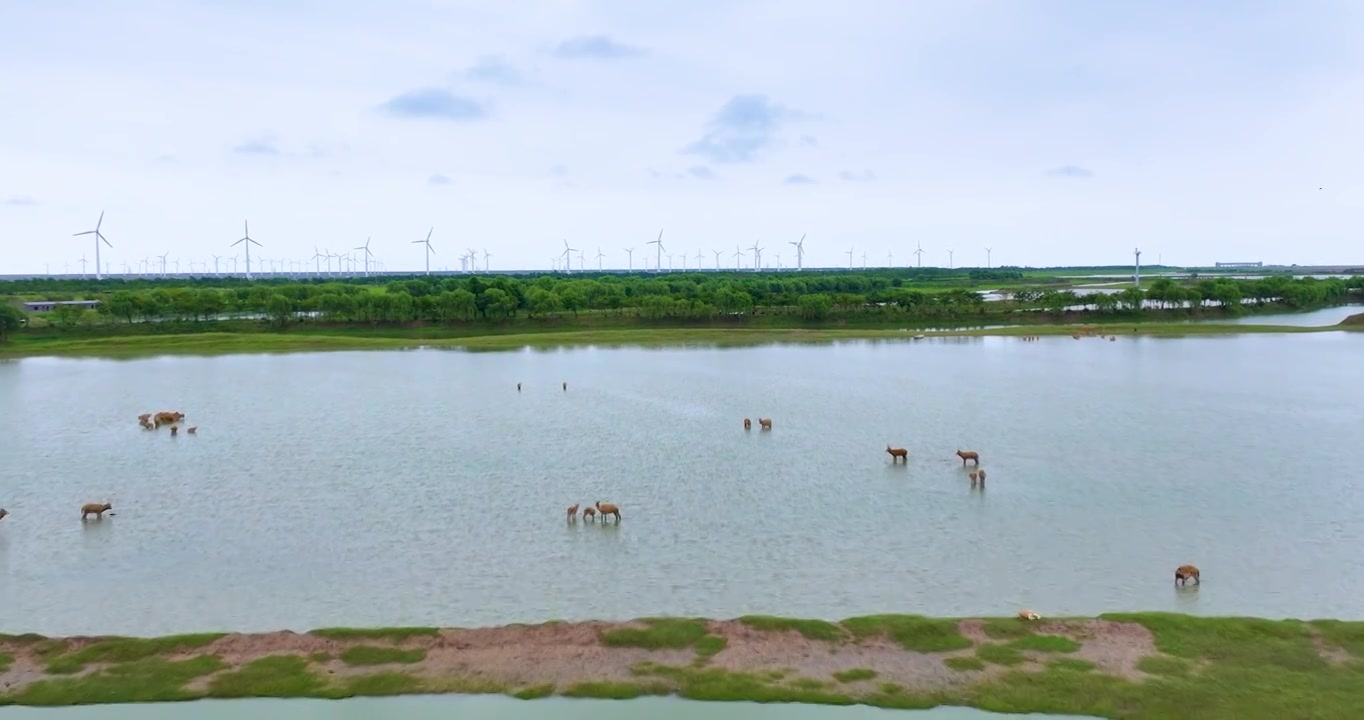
x=658, y=264
x=429, y=249
x=216, y=259
x=919, y=254
x=717, y=258
x=486, y=255
x=737, y=255
x=317, y=261
x=890, y=259
x=473, y=260
x=1136, y=271
x=568, y=257
x=987, y=258
x=246, y=238
x=83, y=265
x=600, y=255
x=950, y=262
x=98, y=237
x=800, y=252
x=757, y=257
x=367, y=255
x=631, y=252
x=699, y=258
x=850, y=253
x=163, y=263
x=864, y=259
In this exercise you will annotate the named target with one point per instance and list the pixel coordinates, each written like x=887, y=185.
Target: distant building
x=41, y=306
x=1238, y=264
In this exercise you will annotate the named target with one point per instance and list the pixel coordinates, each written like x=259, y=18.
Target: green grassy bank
x=256, y=338
x=1140, y=666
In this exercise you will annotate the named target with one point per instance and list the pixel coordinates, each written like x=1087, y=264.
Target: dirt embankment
x=888, y=660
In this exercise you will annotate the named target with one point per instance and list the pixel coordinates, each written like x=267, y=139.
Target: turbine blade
x=87, y=232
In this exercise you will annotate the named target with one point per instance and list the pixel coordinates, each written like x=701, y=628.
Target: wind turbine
x=473, y=260
x=600, y=255
x=737, y=254
x=367, y=254
x=98, y=237
x=567, y=255
x=850, y=252
x=216, y=258
x=987, y=258
x=429, y=249
x=890, y=259
x=919, y=254
x=1136, y=274
x=317, y=261
x=757, y=257
x=699, y=258
x=163, y=263
x=717, y=258
x=486, y=255
x=949, y=258
x=800, y=252
x=83, y=265
x=658, y=265
x=864, y=259
x=246, y=238
x=631, y=253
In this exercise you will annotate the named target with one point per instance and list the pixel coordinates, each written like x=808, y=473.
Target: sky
x=1051, y=132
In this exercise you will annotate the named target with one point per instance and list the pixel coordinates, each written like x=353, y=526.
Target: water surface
x=420, y=488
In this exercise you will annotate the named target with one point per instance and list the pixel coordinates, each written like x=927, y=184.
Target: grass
x=658, y=634
x=854, y=675
x=534, y=692
x=709, y=646
x=371, y=655
x=1345, y=635
x=6, y=659
x=317, y=339
x=912, y=632
x=284, y=676
x=1007, y=628
x=1071, y=664
x=392, y=634
x=999, y=654
x=615, y=690
x=383, y=684
x=145, y=680
x=122, y=650
x=811, y=629
x=1162, y=665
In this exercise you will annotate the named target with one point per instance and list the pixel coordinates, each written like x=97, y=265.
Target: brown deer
x=975, y=476
x=971, y=455
x=748, y=424
x=589, y=514
x=765, y=423
x=144, y=418
x=1184, y=572
x=897, y=454
x=1028, y=615
x=573, y=512
x=982, y=478
x=608, y=509
x=96, y=509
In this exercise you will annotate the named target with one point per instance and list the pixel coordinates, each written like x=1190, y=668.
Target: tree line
x=673, y=297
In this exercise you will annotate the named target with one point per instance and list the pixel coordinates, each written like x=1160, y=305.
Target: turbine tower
x=800, y=252
x=658, y=265
x=246, y=238
x=717, y=258
x=919, y=254
x=987, y=258
x=98, y=237
x=737, y=255
x=486, y=255
x=850, y=253
x=367, y=255
x=600, y=255
x=631, y=252
x=568, y=257
x=1136, y=273
x=429, y=249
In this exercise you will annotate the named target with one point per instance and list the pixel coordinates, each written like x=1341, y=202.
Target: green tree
x=815, y=307
x=279, y=308
x=11, y=319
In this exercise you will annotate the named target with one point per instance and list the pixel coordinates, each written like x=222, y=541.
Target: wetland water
x=497, y=708
x=419, y=488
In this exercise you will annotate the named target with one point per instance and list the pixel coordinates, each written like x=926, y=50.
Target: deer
x=897, y=454
x=589, y=514
x=192, y=430
x=608, y=509
x=96, y=509
x=1184, y=572
x=765, y=423
x=748, y=424
x=1028, y=615
x=971, y=455
x=573, y=512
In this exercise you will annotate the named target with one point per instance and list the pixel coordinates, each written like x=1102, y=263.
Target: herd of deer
x=591, y=512
x=153, y=421
x=977, y=475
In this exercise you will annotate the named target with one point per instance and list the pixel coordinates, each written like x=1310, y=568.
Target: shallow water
x=396, y=488
x=496, y=708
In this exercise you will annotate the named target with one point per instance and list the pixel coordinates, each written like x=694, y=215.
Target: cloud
x=19, y=201
x=438, y=179
x=433, y=102
x=864, y=176
x=799, y=179
x=559, y=170
x=808, y=140
x=260, y=146
x=492, y=69
x=701, y=172
x=595, y=47
x=1070, y=171
x=742, y=127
